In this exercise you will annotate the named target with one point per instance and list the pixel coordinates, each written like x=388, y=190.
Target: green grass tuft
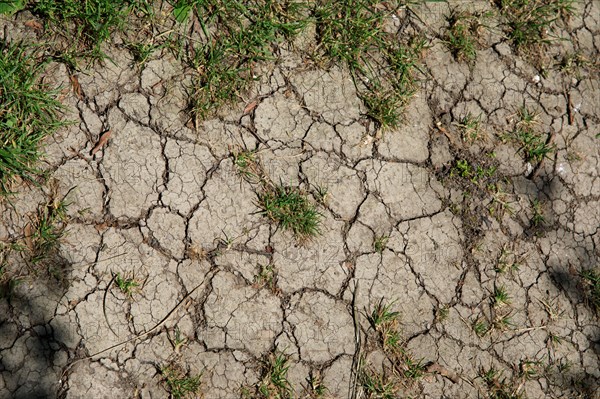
x=531, y=22
x=291, y=209
x=180, y=385
x=275, y=383
x=28, y=114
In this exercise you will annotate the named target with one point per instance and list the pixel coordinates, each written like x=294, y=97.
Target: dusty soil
x=163, y=202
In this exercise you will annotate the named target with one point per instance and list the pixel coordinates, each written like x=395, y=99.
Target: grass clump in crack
x=398, y=377
x=531, y=22
x=179, y=384
x=384, y=70
x=591, y=280
x=274, y=382
x=236, y=37
x=46, y=230
x=291, y=208
x=127, y=285
x=463, y=34
x=28, y=114
x=534, y=146
x=85, y=25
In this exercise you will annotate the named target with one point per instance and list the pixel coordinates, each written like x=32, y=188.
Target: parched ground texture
x=164, y=202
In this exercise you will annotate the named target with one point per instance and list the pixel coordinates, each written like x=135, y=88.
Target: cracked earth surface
x=164, y=202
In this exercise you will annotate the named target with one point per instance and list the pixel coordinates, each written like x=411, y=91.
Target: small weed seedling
x=481, y=327
x=500, y=297
x=180, y=386
x=382, y=316
x=380, y=243
x=291, y=209
x=378, y=386
x=128, y=286
x=315, y=387
x=249, y=167
x=442, y=313
x=574, y=64
x=265, y=277
x=275, y=383
x=538, y=214
x=178, y=341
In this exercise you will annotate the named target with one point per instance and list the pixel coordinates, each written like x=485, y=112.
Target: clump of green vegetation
x=291, y=209
x=507, y=261
x=576, y=63
x=463, y=32
x=591, y=279
x=499, y=387
x=404, y=369
x=315, y=389
x=378, y=386
x=380, y=243
x=500, y=296
x=538, y=218
x=28, y=113
x=127, y=285
x=352, y=32
x=533, y=145
x=248, y=166
x=266, y=277
x=47, y=228
x=481, y=327
x=470, y=127
x=237, y=35
x=85, y=25
x=475, y=174
x=274, y=382
x=530, y=22
x=179, y=385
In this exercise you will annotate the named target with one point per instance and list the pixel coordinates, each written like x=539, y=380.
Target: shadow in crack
x=31, y=353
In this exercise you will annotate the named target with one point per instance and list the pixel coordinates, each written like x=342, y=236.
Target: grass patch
x=380, y=243
x=462, y=37
x=179, y=385
x=498, y=386
x=291, y=209
x=275, y=383
x=236, y=36
x=501, y=296
x=378, y=386
x=384, y=70
x=85, y=25
x=28, y=114
x=470, y=128
x=532, y=22
x=46, y=230
x=591, y=280
x=534, y=146
x=127, y=285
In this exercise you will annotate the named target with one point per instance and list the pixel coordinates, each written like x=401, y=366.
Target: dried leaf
x=35, y=25
x=250, y=107
x=28, y=239
x=101, y=142
x=76, y=86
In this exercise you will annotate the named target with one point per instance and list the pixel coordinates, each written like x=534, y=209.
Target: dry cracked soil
x=221, y=289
